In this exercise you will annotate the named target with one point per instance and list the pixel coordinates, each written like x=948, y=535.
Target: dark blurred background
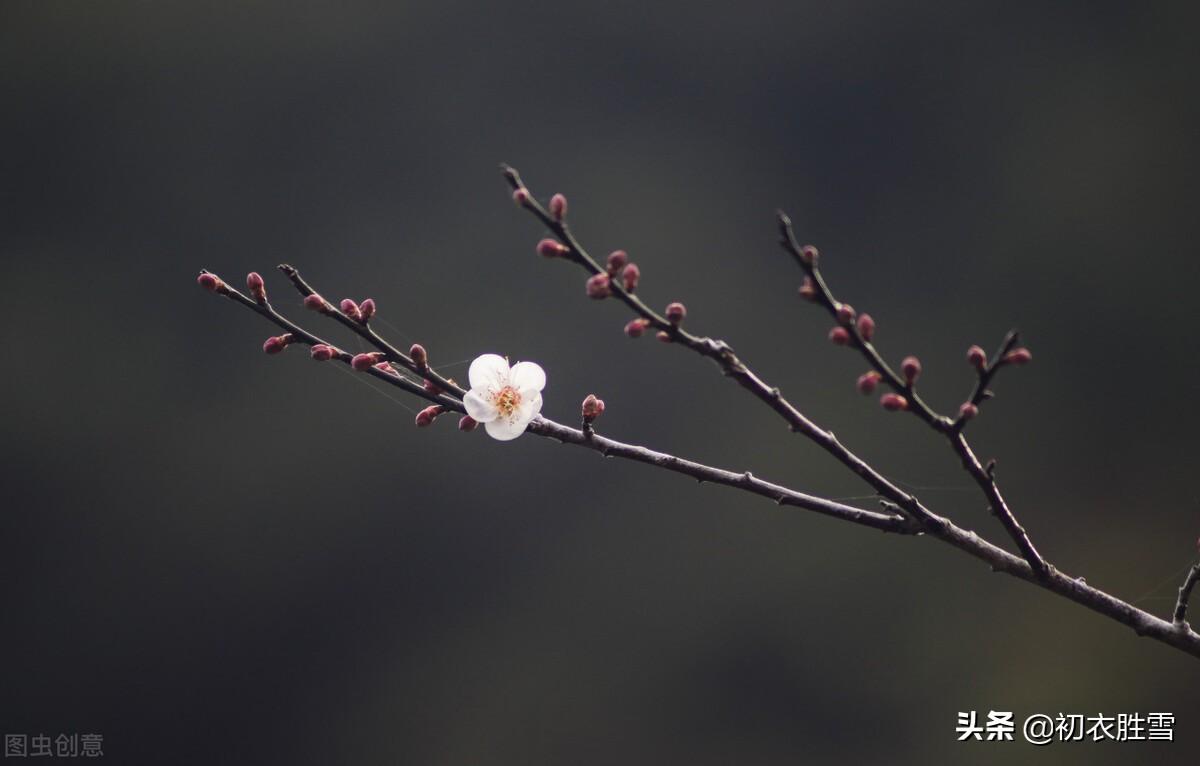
x=211, y=556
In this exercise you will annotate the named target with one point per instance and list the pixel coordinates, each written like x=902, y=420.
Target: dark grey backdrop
x=209, y=556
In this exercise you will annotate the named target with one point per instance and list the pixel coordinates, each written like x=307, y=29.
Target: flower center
x=507, y=400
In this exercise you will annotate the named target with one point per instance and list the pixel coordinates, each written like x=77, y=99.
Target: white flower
x=504, y=399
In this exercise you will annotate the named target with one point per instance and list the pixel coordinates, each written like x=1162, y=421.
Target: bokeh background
x=211, y=556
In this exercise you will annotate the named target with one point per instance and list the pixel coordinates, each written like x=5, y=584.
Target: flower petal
x=530, y=406
x=489, y=371
x=526, y=376
x=479, y=408
x=506, y=429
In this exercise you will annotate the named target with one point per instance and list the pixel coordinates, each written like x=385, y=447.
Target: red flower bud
x=467, y=423
x=911, y=367
x=558, y=207
x=592, y=408
x=663, y=336
x=521, y=196
x=808, y=289
x=967, y=411
x=630, y=276
x=845, y=313
x=893, y=402
x=977, y=357
x=364, y=362
x=317, y=303
x=426, y=416
x=636, y=327
x=418, y=355
x=676, y=312
x=1019, y=356
x=598, y=287
x=839, y=336
x=616, y=261
x=256, y=286
x=549, y=248
x=276, y=344
x=866, y=327
x=210, y=282
x=350, y=309
x=367, y=309
x=867, y=382
x=809, y=254
x=323, y=353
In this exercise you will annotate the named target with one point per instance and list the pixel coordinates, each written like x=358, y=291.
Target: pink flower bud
x=558, y=207
x=549, y=248
x=808, y=290
x=630, y=276
x=316, y=303
x=839, y=336
x=617, y=260
x=866, y=327
x=676, y=312
x=418, y=355
x=323, y=353
x=809, y=254
x=1019, y=356
x=432, y=387
x=663, y=336
x=977, y=357
x=256, y=286
x=210, y=282
x=592, y=408
x=911, y=367
x=367, y=309
x=598, y=287
x=467, y=423
x=521, y=196
x=636, y=327
x=276, y=344
x=867, y=382
x=967, y=411
x=845, y=313
x=893, y=402
x=426, y=416
x=364, y=362
x=350, y=309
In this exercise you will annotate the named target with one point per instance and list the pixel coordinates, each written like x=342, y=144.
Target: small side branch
x=1185, y=592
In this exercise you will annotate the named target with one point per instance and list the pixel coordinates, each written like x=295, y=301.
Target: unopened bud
x=558, y=207
x=845, y=313
x=419, y=356
x=893, y=402
x=809, y=255
x=426, y=416
x=968, y=411
x=592, y=408
x=866, y=327
x=676, y=312
x=364, y=362
x=323, y=353
x=256, y=286
x=432, y=387
x=598, y=287
x=616, y=261
x=636, y=327
x=276, y=344
x=210, y=281
x=839, y=336
x=867, y=382
x=663, y=336
x=630, y=276
x=808, y=289
x=977, y=357
x=367, y=309
x=317, y=303
x=549, y=248
x=521, y=196
x=911, y=367
x=350, y=309
x=467, y=423
x=1019, y=356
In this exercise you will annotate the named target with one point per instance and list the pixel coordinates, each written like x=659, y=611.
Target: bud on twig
x=676, y=312
x=617, y=260
x=839, y=336
x=636, y=327
x=432, y=387
x=323, y=353
x=276, y=344
x=867, y=382
x=977, y=357
x=558, y=207
x=350, y=309
x=845, y=313
x=911, y=367
x=592, y=408
x=598, y=287
x=808, y=289
x=364, y=362
x=630, y=276
x=521, y=196
x=367, y=309
x=809, y=255
x=893, y=402
x=549, y=248
x=256, y=286
x=866, y=327
x=210, y=282
x=317, y=303
x=967, y=411
x=1018, y=356
x=426, y=416
x=419, y=356
x=663, y=336
x=467, y=423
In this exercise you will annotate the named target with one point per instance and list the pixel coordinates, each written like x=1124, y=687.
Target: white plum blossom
x=504, y=398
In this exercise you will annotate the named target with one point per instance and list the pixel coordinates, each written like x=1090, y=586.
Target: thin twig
x=1185, y=592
